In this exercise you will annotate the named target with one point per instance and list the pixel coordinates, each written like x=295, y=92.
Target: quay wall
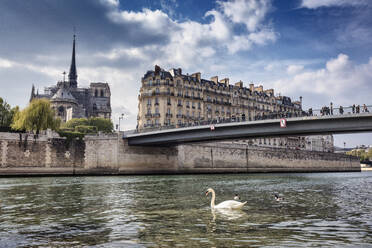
x=25, y=154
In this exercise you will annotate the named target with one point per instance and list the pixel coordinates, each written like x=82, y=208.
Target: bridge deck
x=349, y=123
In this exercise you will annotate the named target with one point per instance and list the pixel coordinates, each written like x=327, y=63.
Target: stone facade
x=172, y=99
x=22, y=154
x=69, y=101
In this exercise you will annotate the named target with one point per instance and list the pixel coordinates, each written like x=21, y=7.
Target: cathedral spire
x=72, y=75
x=32, y=93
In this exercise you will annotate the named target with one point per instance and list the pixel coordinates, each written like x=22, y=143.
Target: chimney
x=196, y=75
x=251, y=87
x=179, y=71
x=157, y=70
x=239, y=84
x=215, y=79
x=225, y=81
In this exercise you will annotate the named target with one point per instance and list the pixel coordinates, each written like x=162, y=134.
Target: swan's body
x=230, y=204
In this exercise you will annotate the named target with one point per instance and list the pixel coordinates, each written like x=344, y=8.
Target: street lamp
x=120, y=118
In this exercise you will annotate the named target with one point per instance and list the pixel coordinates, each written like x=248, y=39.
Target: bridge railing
x=324, y=111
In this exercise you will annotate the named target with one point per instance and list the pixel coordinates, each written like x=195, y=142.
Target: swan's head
x=208, y=191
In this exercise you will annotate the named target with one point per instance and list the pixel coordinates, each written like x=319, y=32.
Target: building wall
x=102, y=154
x=174, y=99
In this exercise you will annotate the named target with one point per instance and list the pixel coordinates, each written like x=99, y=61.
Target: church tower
x=72, y=75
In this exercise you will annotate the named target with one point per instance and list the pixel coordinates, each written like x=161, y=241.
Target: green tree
x=6, y=113
x=36, y=117
x=90, y=125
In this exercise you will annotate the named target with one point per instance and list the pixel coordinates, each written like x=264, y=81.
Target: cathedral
x=69, y=101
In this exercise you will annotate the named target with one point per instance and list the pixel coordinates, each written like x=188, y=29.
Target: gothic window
x=61, y=110
x=96, y=93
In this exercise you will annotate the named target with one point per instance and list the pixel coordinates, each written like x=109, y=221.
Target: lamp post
x=120, y=118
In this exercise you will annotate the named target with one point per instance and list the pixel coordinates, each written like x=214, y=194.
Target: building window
x=156, y=101
x=149, y=101
x=179, y=102
x=156, y=110
x=187, y=104
x=198, y=105
x=150, y=82
x=179, y=111
x=156, y=121
x=168, y=111
x=193, y=105
x=157, y=90
x=102, y=93
x=168, y=90
x=148, y=122
x=157, y=81
x=96, y=93
x=168, y=101
x=149, y=111
x=167, y=81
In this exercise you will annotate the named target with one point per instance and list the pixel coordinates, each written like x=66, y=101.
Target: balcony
x=168, y=115
x=179, y=105
x=179, y=116
x=156, y=115
x=148, y=115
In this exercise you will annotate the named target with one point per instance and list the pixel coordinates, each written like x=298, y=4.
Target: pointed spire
x=72, y=75
x=32, y=93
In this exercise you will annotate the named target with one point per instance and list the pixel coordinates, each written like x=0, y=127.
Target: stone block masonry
x=24, y=154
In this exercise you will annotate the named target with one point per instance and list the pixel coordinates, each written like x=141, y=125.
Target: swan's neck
x=213, y=199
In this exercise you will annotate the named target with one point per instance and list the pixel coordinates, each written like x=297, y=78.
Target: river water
x=318, y=209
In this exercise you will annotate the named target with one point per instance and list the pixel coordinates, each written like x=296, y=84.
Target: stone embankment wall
x=22, y=154
x=219, y=157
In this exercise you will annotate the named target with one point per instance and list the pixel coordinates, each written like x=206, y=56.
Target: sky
x=318, y=49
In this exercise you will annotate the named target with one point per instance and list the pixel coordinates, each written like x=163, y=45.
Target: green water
x=325, y=209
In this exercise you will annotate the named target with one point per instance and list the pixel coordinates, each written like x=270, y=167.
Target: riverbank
x=24, y=154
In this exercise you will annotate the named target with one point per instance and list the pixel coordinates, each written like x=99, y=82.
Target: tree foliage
x=362, y=154
x=89, y=125
x=6, y=113
x=36, y=117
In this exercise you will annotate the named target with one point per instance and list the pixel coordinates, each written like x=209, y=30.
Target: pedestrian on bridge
x=365, y=109
x=331, y=108
x=353, y=108
x=358, y=109
x=341, y=109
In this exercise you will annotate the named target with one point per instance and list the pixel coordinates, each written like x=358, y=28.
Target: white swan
x=230, y=204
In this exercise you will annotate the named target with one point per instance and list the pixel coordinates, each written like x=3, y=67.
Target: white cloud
x=335, y=81
x=4, y=63
x=293, y=69
x=251, y=13
x=313, y=4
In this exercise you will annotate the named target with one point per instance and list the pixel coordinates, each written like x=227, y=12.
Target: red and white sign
x=212, y=127
x=283, y=123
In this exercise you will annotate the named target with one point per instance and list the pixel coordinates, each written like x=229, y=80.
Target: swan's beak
x=206, y=193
